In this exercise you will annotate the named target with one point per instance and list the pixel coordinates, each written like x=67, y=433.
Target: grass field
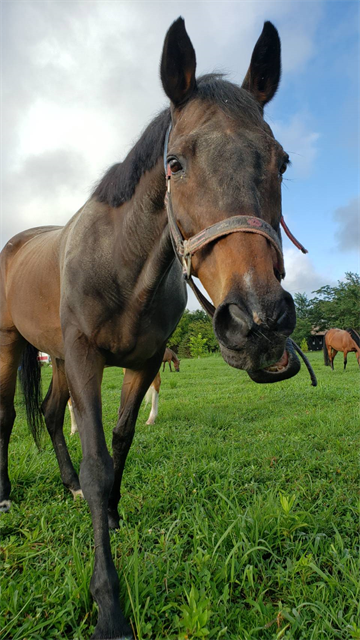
x=239, y=515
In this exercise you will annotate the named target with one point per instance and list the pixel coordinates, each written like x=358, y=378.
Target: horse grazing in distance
x=340, y=340
x=170, y=356
x=198, y=195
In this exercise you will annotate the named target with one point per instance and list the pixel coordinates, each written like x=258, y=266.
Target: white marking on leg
x=154, y=406
x=74, y=428
x=5, y=506
x=77, y=494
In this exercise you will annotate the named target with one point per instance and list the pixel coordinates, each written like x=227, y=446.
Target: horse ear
x=178, y=64
x=263, y=76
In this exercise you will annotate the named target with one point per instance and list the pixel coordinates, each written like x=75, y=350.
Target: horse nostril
x=239, y=320
x=285, y=319
x=231, y=324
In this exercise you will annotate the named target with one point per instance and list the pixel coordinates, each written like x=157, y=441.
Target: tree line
x=331, y=306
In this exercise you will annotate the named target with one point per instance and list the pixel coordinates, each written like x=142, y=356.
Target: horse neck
x=355, y=346
x=142, y=235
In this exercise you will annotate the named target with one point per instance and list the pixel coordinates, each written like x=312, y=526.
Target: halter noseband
x=185, y=248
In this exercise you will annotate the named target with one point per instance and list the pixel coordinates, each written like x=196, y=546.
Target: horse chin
x=286, y=367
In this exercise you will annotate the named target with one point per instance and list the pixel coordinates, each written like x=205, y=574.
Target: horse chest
x=134, y=335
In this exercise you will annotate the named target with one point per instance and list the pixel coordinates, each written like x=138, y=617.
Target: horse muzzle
x=260, y=347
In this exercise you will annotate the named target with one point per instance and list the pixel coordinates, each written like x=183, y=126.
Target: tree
x=198, y=346
x=338, y=306
x=192, y=324
x=303, y=317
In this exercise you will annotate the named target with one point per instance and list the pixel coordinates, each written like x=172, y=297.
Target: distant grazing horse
x=339, y=340
x=198, y=195
x=170, y=356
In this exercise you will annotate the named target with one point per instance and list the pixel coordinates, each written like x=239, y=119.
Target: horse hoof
x=150, y=422
x=77, y=493
x=5, y=506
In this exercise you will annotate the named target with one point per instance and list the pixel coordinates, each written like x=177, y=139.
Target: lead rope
x=307, y=363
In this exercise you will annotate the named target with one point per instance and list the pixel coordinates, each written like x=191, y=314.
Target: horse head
x=224, y=163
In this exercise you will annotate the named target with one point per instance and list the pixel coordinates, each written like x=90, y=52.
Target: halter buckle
x=186, y=263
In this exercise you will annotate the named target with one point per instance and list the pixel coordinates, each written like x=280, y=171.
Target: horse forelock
x=118, y=185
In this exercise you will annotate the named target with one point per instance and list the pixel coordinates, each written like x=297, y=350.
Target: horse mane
x=119, y=183
x=355, y=336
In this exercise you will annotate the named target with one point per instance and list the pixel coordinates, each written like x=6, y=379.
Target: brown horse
x=113, y=280
x=339, y=340
x=170, y=356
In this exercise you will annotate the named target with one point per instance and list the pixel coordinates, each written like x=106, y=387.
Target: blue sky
x=326, y=92
x=80, y=81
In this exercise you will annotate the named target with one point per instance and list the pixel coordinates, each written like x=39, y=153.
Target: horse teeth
x=275, y=368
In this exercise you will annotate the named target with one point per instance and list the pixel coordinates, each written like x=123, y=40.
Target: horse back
x=341, y=339
x=30, y=284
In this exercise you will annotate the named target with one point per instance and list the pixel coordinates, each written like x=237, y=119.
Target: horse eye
x=282, y=168
x=175, y=165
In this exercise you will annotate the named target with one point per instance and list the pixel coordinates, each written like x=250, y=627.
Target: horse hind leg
x=53, y=408
x=11, y=344
x=332, y=354
x=154, y=390
x=74, y=427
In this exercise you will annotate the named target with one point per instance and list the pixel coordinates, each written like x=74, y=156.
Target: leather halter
x=186, y=248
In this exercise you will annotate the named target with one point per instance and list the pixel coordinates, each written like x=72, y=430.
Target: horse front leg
x=135, y=385
x=11, y=344
x=84, y=368
x=345, y=358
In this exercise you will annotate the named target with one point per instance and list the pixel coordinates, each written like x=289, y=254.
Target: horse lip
x=285, y=368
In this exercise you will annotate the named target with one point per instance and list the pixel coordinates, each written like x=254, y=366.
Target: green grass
x=239, y=514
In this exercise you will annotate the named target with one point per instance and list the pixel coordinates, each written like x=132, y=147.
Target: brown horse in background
x=170, y=356
x=339, y=340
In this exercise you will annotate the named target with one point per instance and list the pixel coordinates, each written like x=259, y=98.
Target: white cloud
x=301, y=274
x=82, y=79
x=299, y=142
x=348, y=226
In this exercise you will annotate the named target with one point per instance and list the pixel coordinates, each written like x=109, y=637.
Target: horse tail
x=354, y=335
x=30, y=380
x=325, y=352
